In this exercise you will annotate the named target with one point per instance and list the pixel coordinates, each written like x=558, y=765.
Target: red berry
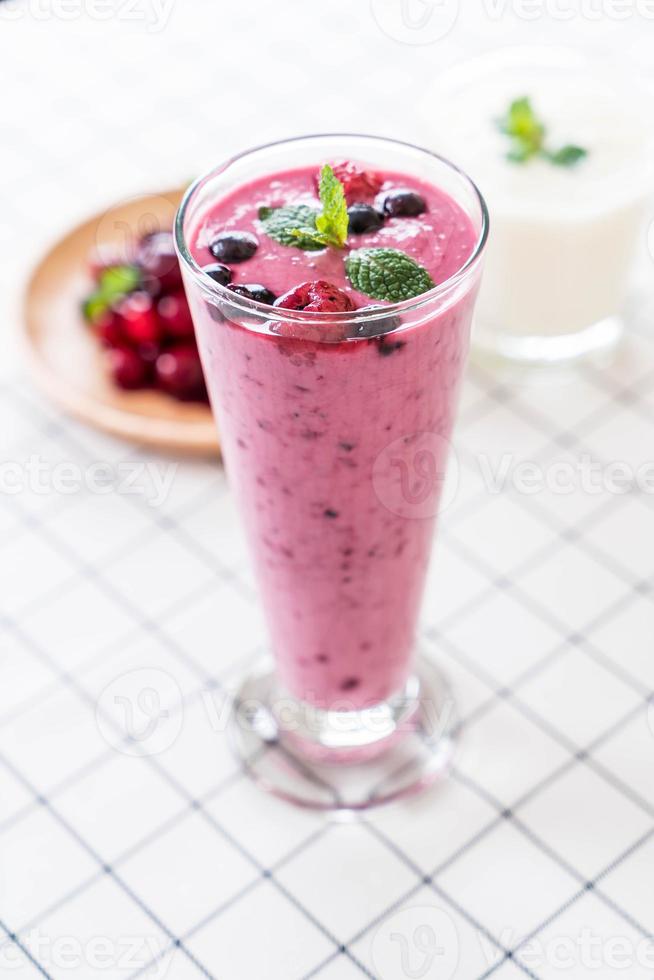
x=108, y=329
x=175, y=316
x=138, y=319
x=127, y=368
x=316, y=297
x=149, y=354
x=359, y=185
x=158, y=261
x=179, y=373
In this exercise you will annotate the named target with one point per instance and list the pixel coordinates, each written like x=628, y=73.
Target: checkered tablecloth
x=130, y=844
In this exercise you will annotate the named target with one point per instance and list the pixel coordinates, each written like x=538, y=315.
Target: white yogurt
x=562, y=239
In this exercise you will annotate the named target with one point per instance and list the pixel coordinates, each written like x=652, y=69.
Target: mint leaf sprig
x=527, y=134
x=306, y=227
x=387, y=274
x=115, y=282
x=332, y=222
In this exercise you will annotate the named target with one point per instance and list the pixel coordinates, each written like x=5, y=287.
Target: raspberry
x=359, y=185
x=318, y=296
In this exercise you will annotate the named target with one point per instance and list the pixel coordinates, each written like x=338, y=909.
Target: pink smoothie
x=340, y=546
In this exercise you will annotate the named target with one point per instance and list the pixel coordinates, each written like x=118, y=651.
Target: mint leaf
x=519, y=153
x=567, y=156
x=387, y=273
x=94, y=306
x=332, y=223
x=306, y=227
x=525, y=129
x=116, y=281
x=527, y=134
x=292, y=225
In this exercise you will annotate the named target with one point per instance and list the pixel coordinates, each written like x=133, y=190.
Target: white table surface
x=156, y=857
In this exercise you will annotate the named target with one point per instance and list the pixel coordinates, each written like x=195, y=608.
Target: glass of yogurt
x=567, y=206
x=333, y=352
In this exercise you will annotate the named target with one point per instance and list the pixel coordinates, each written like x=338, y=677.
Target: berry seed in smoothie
x=307, y=409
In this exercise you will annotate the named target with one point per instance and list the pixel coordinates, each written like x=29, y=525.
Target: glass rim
x=248, y=306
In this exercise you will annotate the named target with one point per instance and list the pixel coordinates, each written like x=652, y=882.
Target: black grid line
x=26, y=952
x=195, y=804
x=96, y=857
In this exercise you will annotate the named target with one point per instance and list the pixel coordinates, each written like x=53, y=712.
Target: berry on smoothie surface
x=218, y=272
x=359, y=185
x=362, y=218
x=234, y=246
x=402, y=202
x=253, y=290
x=316, y=297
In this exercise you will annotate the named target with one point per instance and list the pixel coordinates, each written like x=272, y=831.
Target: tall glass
x=336, y=451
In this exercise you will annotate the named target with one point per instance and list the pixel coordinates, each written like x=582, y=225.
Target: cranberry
x=138, y=319
x=149, y=354
x=179, y=373
x=318, y=296
x=358, y=184
x=127, y=369
x=175, y=316
x=108, y=329
x=158, y=261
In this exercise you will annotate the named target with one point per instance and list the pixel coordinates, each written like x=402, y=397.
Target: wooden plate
x=67, y=360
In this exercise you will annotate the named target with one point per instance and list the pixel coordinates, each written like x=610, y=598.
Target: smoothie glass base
x=594, y=342
x=344, y=760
